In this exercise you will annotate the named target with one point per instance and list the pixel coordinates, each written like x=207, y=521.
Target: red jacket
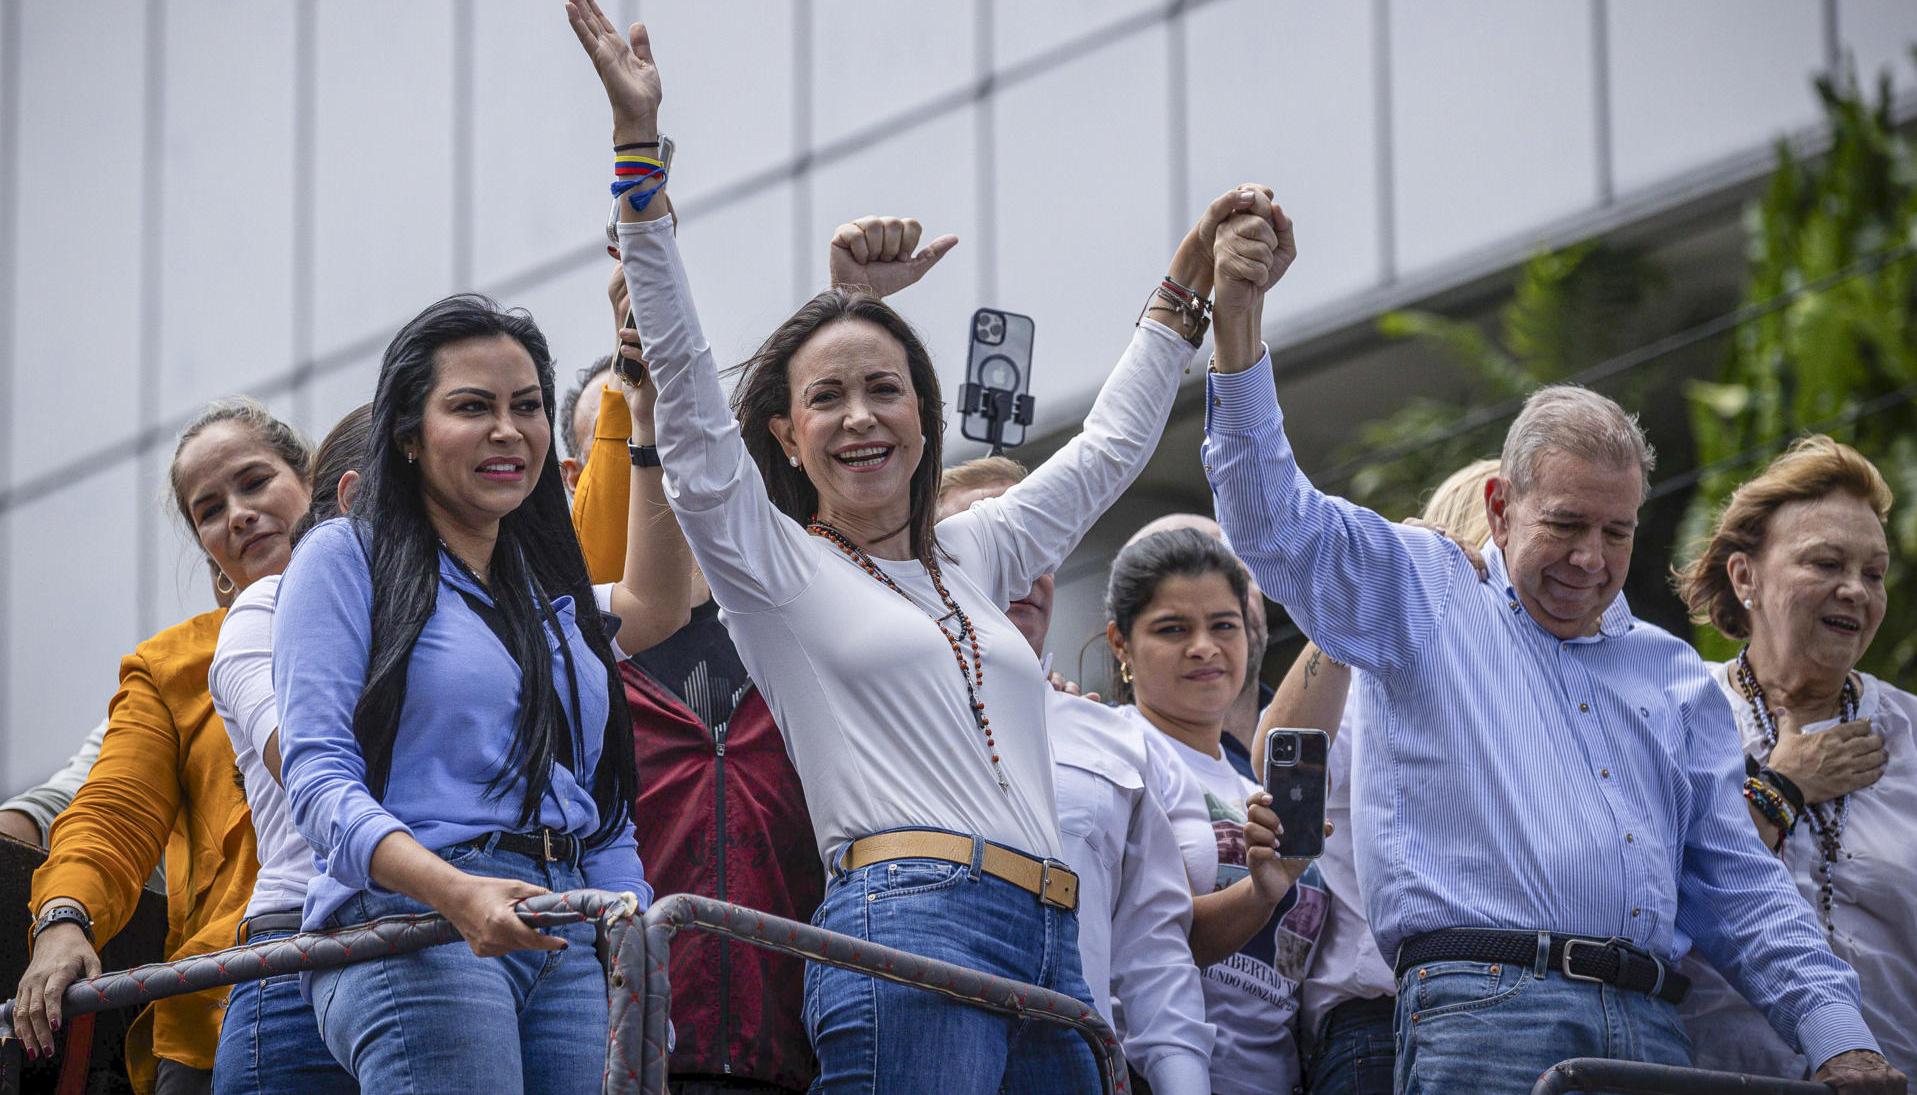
x=727, y=819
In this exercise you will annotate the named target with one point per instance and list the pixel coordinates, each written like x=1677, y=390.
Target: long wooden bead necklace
x=1826, y=819
x=971, y=671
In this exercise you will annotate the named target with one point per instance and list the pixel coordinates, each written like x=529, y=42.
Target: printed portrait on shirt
x=1274, y=961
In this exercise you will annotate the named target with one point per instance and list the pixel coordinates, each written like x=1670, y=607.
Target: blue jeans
x=270, y=1041
x=877, y=1037
x=1355, y=1052
x=1483, y=1027
x=445, y=1020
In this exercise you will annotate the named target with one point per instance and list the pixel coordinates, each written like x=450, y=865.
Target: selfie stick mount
x=997, y=406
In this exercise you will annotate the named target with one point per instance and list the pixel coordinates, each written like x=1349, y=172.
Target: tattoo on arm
x=1311, y=669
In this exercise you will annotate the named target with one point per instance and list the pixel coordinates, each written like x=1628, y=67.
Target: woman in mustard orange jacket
x=165, y=780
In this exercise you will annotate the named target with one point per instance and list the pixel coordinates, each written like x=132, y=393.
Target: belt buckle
x=1045, y=897
x=545, y=836
x=1570, y=945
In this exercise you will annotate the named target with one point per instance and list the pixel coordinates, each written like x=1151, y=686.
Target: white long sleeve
x=1135, y=903
x=875, y=714
x=240, y=680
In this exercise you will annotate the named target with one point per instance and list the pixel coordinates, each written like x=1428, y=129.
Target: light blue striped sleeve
x=1369, y=592
x=1740, y=908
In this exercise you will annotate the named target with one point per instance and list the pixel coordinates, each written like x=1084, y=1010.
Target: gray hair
x=1579, y=422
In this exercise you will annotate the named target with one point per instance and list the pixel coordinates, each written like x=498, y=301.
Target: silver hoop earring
x=792, y=460
x=224, y=586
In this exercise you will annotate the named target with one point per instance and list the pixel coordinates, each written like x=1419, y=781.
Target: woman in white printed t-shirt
x=1175, y=609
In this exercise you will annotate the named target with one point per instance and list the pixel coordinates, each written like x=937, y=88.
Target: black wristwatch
x=643, y=456
x=63, y=913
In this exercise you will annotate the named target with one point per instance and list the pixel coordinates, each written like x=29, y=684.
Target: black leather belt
x=261, y=923
x=1579, y=957
x=545, y=845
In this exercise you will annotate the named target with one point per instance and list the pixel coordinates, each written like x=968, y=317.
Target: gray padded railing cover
x=635, y=954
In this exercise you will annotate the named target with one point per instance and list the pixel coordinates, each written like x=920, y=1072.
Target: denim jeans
x=877, y=1037
x=445, y=1020
x=1355, y=1052
x=1492, y=1028
x=270, y=1041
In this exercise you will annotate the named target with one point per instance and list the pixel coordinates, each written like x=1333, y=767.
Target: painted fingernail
x=56, y=1026
x=32, y=1054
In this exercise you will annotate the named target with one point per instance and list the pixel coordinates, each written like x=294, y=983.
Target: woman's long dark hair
x=764, y=392
x=343, y=450
x=1144, y=565
x=536, y=558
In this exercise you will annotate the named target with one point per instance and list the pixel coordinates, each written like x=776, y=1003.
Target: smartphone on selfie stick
x=996, y=396
x=1295, y=780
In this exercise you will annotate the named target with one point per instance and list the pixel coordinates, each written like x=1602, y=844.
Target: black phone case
x=1298, y=793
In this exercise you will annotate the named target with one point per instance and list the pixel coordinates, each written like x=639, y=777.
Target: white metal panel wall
x=1492, y=123
x=1694, y=82
x=70, y=617
x=1083, y=228
x=1303, y=121
x=78, y=230
x=316, y=166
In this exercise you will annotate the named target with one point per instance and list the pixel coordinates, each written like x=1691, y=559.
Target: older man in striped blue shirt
x=1549, y=807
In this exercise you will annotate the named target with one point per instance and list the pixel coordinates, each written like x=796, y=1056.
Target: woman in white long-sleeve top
x=913, y=709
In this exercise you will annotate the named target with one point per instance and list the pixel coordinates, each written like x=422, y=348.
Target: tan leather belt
x=1051, y=882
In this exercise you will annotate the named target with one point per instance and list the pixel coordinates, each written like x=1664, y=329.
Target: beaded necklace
x=1826, y=819
x=971, y=671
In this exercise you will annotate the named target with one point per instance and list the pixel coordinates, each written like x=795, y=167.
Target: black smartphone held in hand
x=1295, y=780
x=626, y=369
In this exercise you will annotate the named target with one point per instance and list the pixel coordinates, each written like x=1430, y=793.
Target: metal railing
x=669, y=915
x=1635, y=1078
x=635, y=953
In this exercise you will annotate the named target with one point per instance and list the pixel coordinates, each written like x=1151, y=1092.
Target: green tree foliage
x=1569, y=310
x=1833, y=236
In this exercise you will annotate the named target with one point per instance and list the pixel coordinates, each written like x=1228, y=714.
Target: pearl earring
x=1748, y=605
x=792, y=460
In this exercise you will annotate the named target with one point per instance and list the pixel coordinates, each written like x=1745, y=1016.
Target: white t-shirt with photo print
x=1251, y=997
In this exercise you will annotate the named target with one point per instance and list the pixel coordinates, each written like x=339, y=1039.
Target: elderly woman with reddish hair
x=1795, y=568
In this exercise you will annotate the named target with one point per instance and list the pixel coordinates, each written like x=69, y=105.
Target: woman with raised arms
x=913, y=709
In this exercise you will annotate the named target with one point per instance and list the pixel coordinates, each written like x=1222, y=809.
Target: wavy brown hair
x=1813, y=468
x=764, y=392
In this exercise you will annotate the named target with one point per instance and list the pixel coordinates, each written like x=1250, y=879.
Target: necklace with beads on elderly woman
x=971, y=671
x=1828, y=825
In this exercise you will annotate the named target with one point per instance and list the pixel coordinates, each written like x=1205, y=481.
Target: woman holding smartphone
x=919, y=734
x=1176, y=609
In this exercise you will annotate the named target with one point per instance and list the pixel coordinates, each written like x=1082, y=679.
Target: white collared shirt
x=1134, y=900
